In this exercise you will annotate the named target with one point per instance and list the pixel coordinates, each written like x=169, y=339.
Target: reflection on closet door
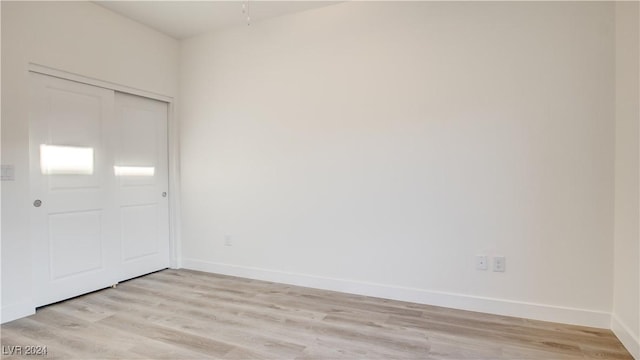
x=73, y=218
x=141, y=173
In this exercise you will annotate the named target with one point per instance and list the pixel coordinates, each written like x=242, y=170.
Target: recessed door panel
x=139, y=231
x=73, y=121
x=74, y=117
x=139, y=135
x=75, y=243
x=138, y=152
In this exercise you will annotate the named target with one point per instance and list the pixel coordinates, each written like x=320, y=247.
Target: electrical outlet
x=499, y=263
x=227, y=240
x=482, y=262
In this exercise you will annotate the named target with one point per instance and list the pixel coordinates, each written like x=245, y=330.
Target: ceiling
x=183, y=19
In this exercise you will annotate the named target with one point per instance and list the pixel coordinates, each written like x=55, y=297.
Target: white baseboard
x=16, y=311
x=567, y=315
x=630, y=340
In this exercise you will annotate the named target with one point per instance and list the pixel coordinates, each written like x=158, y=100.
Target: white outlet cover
x=499, y=263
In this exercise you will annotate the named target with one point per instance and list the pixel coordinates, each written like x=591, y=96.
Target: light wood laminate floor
x=182, y=314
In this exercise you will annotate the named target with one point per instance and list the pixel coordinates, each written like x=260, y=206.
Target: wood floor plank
x=184, y=314
x=74, y=342
x=133, y=343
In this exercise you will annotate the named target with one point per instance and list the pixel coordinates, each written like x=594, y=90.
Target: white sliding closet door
x=74, y=223
x=141, y=170
x=98, y=162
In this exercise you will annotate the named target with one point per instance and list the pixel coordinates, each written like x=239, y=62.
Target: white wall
x=626, y=304
x=77, y=37
x=376, y=147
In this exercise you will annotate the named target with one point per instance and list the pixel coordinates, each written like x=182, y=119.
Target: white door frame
x=173, y=148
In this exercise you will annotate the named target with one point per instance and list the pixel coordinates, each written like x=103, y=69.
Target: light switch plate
x=7, y=173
